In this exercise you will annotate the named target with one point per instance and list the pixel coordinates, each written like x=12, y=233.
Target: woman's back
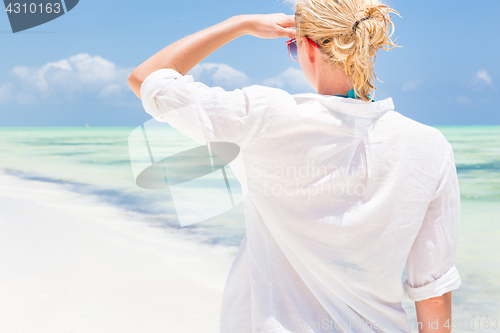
x=338, y=191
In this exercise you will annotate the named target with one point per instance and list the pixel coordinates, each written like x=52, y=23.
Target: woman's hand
x=270, y=25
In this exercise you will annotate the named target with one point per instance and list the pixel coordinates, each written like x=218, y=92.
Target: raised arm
x=437, y=312
x=187, y=52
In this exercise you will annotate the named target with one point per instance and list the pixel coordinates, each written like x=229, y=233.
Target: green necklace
x=352, y=94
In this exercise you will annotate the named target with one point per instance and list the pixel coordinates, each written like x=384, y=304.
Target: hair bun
x=351, y=32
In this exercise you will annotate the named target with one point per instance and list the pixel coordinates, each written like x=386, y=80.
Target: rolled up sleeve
x=431, y=262
x=205, y=114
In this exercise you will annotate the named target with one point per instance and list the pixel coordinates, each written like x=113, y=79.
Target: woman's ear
x=308, y=50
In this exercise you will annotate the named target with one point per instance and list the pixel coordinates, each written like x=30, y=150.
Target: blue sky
x=72, y=71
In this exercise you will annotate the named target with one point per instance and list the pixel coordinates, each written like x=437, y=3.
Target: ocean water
x=96, y=162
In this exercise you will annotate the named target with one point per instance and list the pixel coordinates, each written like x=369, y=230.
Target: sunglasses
x=292, y=48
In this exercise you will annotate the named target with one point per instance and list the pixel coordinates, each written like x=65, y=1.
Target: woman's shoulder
x=412, y=132
x=410, y=126
x=265, y=98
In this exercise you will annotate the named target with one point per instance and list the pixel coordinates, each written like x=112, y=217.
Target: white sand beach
x=72, y=264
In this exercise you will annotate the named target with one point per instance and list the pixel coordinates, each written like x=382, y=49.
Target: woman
x=342, y=189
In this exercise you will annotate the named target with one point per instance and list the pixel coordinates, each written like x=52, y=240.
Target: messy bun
x=349, y=32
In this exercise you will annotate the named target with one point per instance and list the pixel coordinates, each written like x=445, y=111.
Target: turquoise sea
x=95, y=161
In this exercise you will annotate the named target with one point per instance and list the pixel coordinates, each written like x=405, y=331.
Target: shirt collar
x=352, y=106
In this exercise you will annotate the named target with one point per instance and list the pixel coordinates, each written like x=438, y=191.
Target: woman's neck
x=332, y=81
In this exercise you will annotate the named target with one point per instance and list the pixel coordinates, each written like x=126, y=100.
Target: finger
x=288, y=22
x=290, y=33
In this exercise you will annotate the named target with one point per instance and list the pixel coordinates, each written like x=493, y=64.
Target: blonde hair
x=347, y=42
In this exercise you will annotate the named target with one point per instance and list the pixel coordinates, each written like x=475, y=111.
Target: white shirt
x=325, y=249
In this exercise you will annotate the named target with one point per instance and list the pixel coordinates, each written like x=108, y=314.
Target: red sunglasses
x=292, y=48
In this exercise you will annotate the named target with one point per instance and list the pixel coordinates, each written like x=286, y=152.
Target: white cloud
x=292, y=80
x=110, y=90
x=411, y=85
x=222, y=75
x=482, y=81
x=77, y=76
x=482, y=76
x=83, y=77
x=219, y=75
